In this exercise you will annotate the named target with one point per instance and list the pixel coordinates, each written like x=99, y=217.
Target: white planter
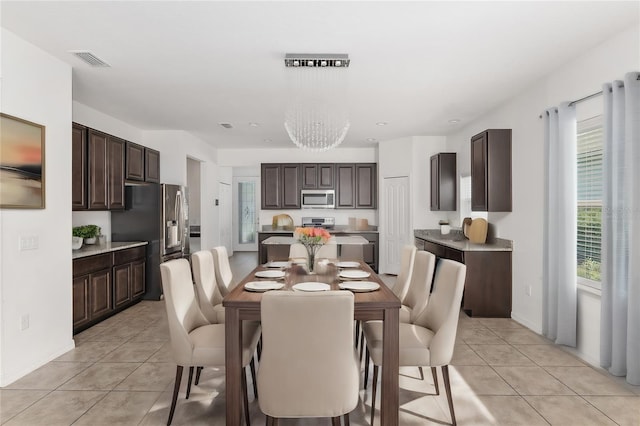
x=90, y=240
x=76, y=242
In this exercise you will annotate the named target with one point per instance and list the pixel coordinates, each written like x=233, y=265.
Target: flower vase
x=312, y=249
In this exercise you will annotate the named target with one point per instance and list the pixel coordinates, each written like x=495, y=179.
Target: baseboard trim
x=6, y=380
x=526, y=323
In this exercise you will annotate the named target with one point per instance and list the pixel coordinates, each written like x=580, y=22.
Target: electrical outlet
x=24, y=322
x=528, y=290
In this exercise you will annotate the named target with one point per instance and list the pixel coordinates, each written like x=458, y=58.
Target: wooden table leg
x=233, y=367
x=390, y=404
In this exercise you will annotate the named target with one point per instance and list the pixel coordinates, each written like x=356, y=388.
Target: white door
x=246, y=201
x=397, y=221
x=226, y=208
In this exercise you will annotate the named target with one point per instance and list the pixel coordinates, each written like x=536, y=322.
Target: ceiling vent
x=226, y=125
x=90, y=58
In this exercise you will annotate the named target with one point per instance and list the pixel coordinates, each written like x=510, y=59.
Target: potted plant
x=88, y=232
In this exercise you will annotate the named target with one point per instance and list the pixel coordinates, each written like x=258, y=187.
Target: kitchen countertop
x=458, y=241
x=337, y=229
x=93, y=249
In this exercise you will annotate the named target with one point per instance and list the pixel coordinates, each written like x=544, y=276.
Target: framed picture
x=21, y=163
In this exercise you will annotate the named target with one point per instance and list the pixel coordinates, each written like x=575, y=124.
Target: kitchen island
x=487, y=290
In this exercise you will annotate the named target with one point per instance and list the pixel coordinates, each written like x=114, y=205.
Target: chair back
x=206, y=286
x=328, y=251
x=224, y=276
x=407, y=258
x=183, y=312
x=420, y=285
x=443, y=310
x=308, y=366
x=298, y=251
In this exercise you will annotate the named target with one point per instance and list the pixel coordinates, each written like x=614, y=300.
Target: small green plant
x=86, y=231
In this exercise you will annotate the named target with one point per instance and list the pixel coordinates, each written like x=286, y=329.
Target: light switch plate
x=29, y=242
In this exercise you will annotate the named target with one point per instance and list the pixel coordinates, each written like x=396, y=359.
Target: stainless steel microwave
x=318, y=198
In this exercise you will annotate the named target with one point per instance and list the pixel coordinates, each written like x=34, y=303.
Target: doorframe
x=383, y=258
x=235, y=218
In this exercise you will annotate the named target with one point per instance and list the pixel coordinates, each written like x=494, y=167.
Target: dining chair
x=407, y=258
x=308, y=367
x=327, y=251
x=417, y=295
x=430, y=340
x=194, y=341
x=209, y=296
x=224, y=275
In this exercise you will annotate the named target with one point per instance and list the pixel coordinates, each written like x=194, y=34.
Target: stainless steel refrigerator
x=158, y=214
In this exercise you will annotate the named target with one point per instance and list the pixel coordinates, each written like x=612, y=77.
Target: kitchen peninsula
x=487, y=291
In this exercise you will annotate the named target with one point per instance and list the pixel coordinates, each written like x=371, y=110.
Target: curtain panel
x=560, y=231
x=620, y=301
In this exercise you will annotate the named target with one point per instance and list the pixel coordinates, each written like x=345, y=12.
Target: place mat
x=354, y=274
x=263, y=286
x=311, y=286
x=270, y=274
x=359, y=286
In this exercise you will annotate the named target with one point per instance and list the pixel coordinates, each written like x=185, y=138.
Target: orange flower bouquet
x=312, y=239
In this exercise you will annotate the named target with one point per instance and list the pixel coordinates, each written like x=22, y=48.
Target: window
x=465, y=200
x=589, y=160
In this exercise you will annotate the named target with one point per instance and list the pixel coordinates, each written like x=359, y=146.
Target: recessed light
x=252, y=124
x=381, y=123
x=267, y=140
x=372, y=140
x=454, y=121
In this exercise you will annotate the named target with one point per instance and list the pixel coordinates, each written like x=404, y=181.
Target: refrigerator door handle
x=180, y=220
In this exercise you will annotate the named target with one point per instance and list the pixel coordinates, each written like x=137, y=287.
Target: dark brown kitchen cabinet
x=491, y=171
x=135, y=162
x=443, y=182
x=151, y=165
x=356, y=186
x=121, y=285
x=280, y=186
x=137, y=278
x=79, y=167
x=81, y=301
x=106, y=172
x=101, y=303
x=318, y=176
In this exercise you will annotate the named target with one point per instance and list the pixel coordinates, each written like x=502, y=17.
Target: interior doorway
x=194, y=190
x=396, y=231
x=246, y=202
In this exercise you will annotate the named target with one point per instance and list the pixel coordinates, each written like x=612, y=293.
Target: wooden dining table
x=242, y=305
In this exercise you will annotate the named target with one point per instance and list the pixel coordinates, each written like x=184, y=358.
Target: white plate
x=311, y=286
x=277, y=264
x=299, y=260
x=348, y=264
x=354, y=274
x=263, y=285
x=270, y=274
x=359, y=286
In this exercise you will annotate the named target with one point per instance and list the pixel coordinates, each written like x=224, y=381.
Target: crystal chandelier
x=316, y=118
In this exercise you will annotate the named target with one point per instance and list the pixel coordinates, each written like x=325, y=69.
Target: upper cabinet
x=443, y=182
x=143, y=164
x=100, y=165
x=280, y=185
x=318, y=176
x=491, y=171
x=356, y=186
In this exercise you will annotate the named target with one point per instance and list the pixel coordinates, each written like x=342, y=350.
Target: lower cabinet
x=105, y=284
x=487, y=289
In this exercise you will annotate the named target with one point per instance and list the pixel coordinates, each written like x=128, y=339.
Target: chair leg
x=176, y=388
x=271, y=421
x=447, y=388
x=259, y=348
x=434, y=373
x=245, y=398
x=366, y=369
x=355, y=343
x=189, y=382
x=252, y=366
x=421, y=373
x=335, y=421
x=373, y=393
x=361, y=344
x=198, y=371
x=346, y=419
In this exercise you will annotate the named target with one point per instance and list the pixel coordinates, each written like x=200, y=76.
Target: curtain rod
x=586, y=98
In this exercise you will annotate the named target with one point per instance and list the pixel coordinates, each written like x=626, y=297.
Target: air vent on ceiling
x=226, y=125
x=90, y=58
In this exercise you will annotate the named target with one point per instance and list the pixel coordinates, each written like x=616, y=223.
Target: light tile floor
x=121, y=373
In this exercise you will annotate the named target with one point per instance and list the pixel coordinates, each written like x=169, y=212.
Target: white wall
x=578, y=78
x=246, y=160
x=37, y=87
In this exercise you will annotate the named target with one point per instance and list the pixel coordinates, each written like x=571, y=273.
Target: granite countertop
x=337, y=229
x=458, y=241
x=93, y=249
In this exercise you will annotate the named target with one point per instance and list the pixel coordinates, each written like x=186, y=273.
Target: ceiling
x=414, y=65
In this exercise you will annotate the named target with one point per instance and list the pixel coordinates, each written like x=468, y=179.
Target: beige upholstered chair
x=327, y=251
x=407, y=257
x=430, y=340
x=417, y=295
x=308, y=366
x=224, y=276
x=209, y=296
x=195, y=342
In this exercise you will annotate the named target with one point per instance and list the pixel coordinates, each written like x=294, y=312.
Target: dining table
x=380, y=304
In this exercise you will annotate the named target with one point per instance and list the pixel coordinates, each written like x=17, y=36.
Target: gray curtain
x=560, y=231
x=620, y=303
